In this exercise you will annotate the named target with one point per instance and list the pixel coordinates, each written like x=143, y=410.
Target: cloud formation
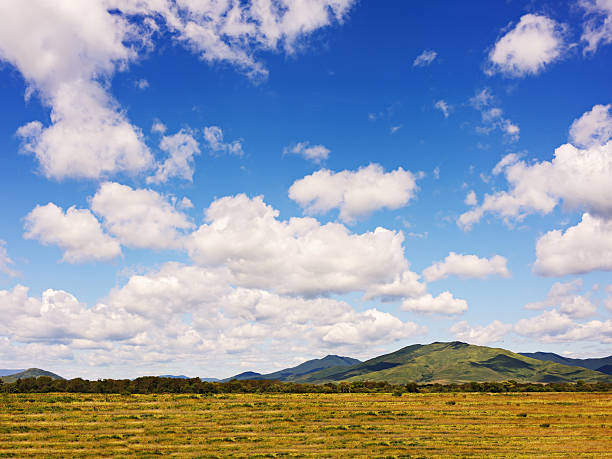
x=5, y=261
x=579, y=177
x=425, y=58
x=354, y=193
x=77, y=232
x=467, y=266
x=582, y=248
x=445, y=303
x=214, y=137
x=181, y=149
x=597, y=29
x=314, y=153
x=532, y=44
x=139, y=217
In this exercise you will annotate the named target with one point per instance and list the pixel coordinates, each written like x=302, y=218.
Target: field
x=307, y=425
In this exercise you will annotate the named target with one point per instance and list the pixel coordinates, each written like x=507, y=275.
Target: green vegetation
x=603, y=364
x=29, y=373
x=306, y=425
x=455, y=362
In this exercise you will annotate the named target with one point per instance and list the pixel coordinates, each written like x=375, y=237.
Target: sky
x=205, y=187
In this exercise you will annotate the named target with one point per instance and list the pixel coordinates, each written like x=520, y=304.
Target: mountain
x=5, y=372
x=303, y=369
x=29, y=373
x=603, y=364
x=174, y=376
x=454, y=362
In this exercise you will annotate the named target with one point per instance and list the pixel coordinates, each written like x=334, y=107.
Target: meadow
x=307, y=425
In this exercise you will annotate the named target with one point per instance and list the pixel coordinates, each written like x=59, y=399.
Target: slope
x=29, y=373
x=603, y=364
x=454, y=362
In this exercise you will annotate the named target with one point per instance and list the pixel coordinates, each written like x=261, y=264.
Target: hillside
x=6, y=372
x=299, y=371
x=29, y=373
x=454, y=362
x=603, y=364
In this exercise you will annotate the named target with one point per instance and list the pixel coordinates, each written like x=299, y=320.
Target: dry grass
x=307, y=425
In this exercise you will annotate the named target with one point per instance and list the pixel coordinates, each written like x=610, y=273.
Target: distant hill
x=29, y=373
x=603, y=364
x=454, y=362
x=5, y=372
x=297, y=372
x=174, y=376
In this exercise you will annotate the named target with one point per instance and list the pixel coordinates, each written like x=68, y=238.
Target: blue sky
x=206, y=187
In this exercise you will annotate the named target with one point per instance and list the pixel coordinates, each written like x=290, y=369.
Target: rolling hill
x=454, y=362
x=29, y=373
x=603, y=364
x=300, y=371
x=6, y=372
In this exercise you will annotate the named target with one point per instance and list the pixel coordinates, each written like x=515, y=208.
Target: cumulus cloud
x=445, y=303
x=314, y=153
x=592, y=128
x=597, y=29
x=553, y=326
x=68, y=50
x=443, y=106
x=467, y=266
x=73, y=49
x=214, y=137
x=534, y=43
x=492, y=333
x=5, y=261
x=77, y=232
x=142, y=324
x=425, y=58
x=299, y=255
x=181, y=148
x=578, y=177
x=492, y=117
x=354, y=193
x=583, y=248
x=565, y=297
x=139, y=217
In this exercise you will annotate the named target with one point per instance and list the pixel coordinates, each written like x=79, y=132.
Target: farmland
x=306, y=425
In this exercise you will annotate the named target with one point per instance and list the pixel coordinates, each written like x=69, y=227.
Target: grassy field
x=306, y=425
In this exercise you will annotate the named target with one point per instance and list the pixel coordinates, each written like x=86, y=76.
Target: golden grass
x=307, y=425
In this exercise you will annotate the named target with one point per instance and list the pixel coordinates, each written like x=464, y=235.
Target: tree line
x=159, y=385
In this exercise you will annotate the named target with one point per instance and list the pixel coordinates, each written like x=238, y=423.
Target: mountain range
x=453, y=362
x=29, y=373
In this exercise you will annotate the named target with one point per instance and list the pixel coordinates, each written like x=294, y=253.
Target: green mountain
x=29, y=373
x=454, y=362
x=303, y=369
x=603, y=364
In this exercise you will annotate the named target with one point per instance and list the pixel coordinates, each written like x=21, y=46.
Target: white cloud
x=492, y=117
x=139, y=217
x=578, y=177
x=72, y=50
x=592, y=128
x=298, y=256
x=583, y=248
x=444, y=304
x=314, y=153
x=470, y=199
x=467, y=266
x=565, y=296
x=214, y=137
x=77, y=232
x=5, y=261
x=141, y=84
x=181, y=148
x=443, y=107
x=552, y=326
x=68, y=49
x=394, y=129
x=158, y=127
x=597, y=29
x=425, y=58
x=535, y=42
x=354, y=193
x=492, y=333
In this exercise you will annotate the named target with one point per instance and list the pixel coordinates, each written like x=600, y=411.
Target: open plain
x=307, y=425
